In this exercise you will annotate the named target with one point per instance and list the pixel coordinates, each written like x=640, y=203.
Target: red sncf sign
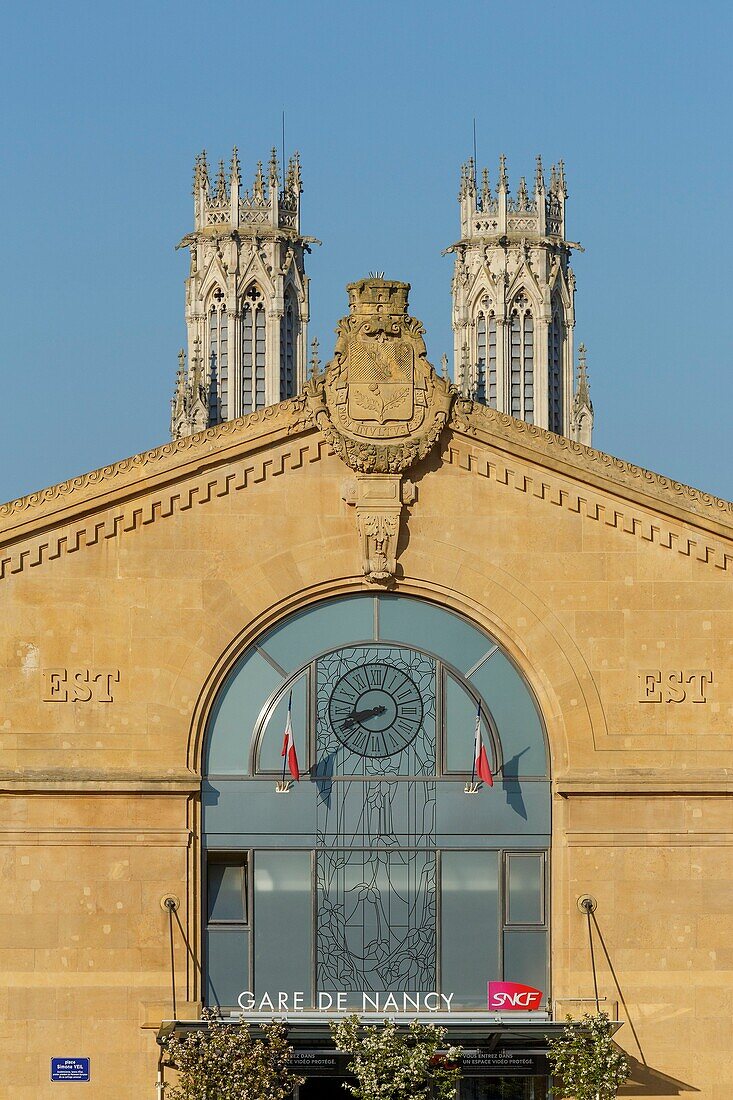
x=513, y=997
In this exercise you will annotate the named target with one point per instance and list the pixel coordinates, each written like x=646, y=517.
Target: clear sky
x=105, y=105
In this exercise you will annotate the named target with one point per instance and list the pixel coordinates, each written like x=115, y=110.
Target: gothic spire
x=274, y=177
x=315, y=363
x=220, y=187
x=235, y=170
x=582, y=394
x=485, y=189
x=561, y=179
x=258, y=187
x=539, y=178
x=503, y=184
x=522, y=195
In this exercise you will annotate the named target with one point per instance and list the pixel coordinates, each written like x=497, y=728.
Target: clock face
x=375, y=709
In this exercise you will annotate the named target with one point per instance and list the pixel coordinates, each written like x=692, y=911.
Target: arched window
x=481, y=359
x=287, y=349
x=253, y=350
x=218, y=356
x=521, y=360
x=492, y=361
x=382, y=695
x=555, y=358
x=528, y=345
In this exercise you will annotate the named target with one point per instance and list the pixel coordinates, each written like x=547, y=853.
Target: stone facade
x=128, y=594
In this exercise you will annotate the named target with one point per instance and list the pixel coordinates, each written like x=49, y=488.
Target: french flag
x=290, y=756
x=480, y=759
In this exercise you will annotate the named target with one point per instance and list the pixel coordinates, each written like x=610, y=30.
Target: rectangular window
x=524, y=888
x=283, y=922
x=469, y=909
x=226, y=889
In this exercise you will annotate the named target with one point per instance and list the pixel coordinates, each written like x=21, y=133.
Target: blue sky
x=106, y=104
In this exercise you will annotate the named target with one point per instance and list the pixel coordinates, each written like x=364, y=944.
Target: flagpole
x=478, y=727
x=285, y=755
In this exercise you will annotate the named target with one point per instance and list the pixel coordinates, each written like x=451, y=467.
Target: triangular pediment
x=478, y=440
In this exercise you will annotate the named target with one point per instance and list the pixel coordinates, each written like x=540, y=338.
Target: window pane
x=227, y=900
x=524, y=889
x=460, y=728
x=283, y=922
x=270, y=756
x=469, y=925
x=513, y=709
x=525, y=958
x=227, y=966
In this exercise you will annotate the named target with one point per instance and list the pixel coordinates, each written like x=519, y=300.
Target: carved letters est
x=676, y=686
x=79, y=685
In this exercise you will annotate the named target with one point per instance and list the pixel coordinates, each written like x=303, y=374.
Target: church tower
x=513, y=302
x=246, y=296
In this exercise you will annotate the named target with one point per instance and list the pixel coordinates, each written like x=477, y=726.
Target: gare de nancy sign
x=501, y=997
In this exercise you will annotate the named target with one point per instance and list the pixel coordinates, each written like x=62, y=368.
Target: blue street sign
x=69, y=1069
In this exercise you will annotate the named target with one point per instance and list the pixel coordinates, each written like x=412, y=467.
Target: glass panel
x=226, y=890
x=513, y=709
x=525, y=959
x=223, y=364
x=283, y=922
x=460, y=728
x=469, y=910
x=227, y=966
x=376, y=921
x=503, y=1088
x=235, y=713
x=323, y=627
x=525, y=888
x=514, y=814
x=271, y=740
x=423, y=624
x=481, y=357
x=247, y=359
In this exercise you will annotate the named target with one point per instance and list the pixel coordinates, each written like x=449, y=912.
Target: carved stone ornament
x=379, y=402
x=378, y=499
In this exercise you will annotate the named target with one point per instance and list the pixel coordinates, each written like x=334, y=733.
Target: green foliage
x=392, y=1063
x=586, y=1060
x=224, y=1062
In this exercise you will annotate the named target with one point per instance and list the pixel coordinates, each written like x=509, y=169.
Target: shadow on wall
x=511, y=785
x=643, y=1080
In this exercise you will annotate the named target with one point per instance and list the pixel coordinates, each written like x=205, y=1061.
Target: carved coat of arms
x=381, y=379
x=379, y=402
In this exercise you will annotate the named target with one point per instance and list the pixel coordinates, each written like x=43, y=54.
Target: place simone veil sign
x=501, y=997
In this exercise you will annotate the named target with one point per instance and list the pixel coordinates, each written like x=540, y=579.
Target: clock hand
x=359, y=716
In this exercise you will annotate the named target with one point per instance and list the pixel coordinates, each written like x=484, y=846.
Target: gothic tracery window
x=288, y=327
x=555, y=358
x=253, y=350
x=486, y=391
x=521, y=360
x=481, y=358
x=218, y=358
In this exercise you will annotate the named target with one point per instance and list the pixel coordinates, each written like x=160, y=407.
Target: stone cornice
x=80, y=782
x=595, y=468
x=232, y=456
x=112, y=484
x=645, y=781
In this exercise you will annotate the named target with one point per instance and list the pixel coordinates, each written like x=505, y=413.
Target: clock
x=375, y=709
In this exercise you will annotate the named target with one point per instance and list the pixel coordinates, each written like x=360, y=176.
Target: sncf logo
x=513, y=997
